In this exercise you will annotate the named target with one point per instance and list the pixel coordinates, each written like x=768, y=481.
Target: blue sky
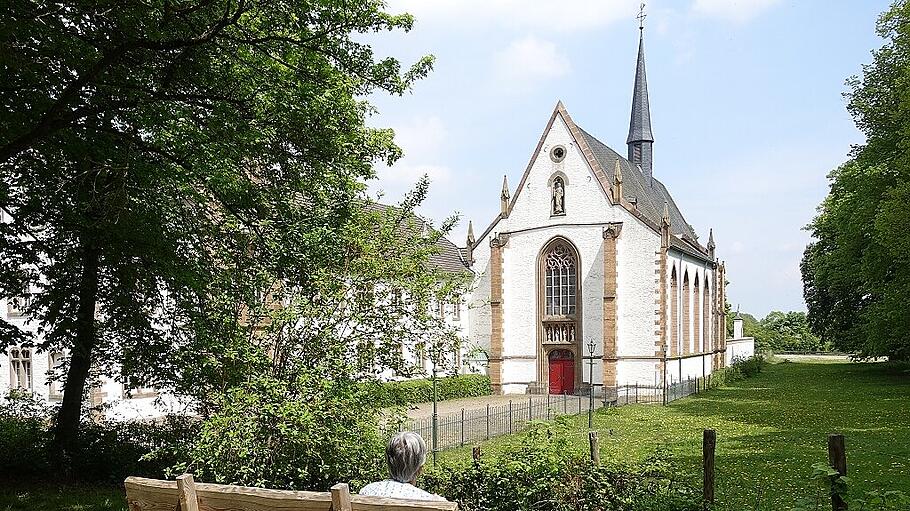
x=746, y=107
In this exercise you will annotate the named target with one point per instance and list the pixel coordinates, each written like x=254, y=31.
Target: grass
x=770, y=429
x=40, y=497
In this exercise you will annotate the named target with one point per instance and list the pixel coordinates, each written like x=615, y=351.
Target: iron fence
x=471, y=425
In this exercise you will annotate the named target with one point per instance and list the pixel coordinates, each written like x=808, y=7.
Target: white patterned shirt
x=396, y=490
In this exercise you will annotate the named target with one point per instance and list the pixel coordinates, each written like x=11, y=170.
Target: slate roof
x=650, y=197
x=640, y=122
x=449, y=258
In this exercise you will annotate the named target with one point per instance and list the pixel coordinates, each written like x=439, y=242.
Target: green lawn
x=34, y=497
x=770, y=429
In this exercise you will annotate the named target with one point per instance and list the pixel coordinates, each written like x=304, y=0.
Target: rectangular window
x=55, y=363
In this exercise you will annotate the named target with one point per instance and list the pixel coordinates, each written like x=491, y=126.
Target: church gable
x=559, y=185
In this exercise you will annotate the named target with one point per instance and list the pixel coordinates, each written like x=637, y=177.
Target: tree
x=171, y=169
x=856, y=274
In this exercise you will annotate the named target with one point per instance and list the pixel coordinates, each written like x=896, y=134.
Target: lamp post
x=435, y=415
x=591, y=347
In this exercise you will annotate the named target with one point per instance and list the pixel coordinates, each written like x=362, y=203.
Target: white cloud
x=520, y=14
x=529, y=60
x=733, y=10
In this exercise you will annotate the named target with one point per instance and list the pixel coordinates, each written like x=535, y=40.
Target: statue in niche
x=559, y=197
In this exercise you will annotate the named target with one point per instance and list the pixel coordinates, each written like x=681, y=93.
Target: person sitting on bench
x=406, y=455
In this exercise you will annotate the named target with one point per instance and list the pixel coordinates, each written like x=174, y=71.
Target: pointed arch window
x=560, y=281
x=20, y=364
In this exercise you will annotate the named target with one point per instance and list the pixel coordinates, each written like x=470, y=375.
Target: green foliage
x=781, y=331
x=106, y=453
x=408, y=392
x=740, y=369
x=827, y=481
x=305, y=434
x=548, y=472
x=188, y=166
x=856, y=274
x=23, y=436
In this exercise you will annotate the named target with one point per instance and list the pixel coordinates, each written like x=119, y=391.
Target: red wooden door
x=562, y=372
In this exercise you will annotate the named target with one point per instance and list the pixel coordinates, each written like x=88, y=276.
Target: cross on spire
x=641, y=16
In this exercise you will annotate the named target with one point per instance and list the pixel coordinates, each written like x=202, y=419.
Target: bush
x=547, y=473
x=107, y=452
x=408, y=392
x=301, y=435
x=24, y=436
x=741, y=368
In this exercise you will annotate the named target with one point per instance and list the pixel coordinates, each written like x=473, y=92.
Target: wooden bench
x=184, y=495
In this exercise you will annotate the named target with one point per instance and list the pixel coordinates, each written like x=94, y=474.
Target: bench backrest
x=185, y=495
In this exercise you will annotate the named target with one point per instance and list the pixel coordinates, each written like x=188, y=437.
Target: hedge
x=407, y=392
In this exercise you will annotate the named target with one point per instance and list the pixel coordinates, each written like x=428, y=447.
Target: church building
x=590, y=258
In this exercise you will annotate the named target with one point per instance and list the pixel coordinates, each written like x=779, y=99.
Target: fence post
x=187, y=493
x=565, y=398
x=548, y=404
x=709, y=441
x=837, y=458
x=462, y=427
x=488, y=421
x=341, y=497
x=510, y=416
x=636, y=392
x=592, y=443
x=529, y=407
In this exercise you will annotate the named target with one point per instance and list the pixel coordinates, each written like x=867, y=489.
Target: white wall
x=739, y=349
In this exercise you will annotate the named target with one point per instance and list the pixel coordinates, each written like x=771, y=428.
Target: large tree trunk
x=66, y=431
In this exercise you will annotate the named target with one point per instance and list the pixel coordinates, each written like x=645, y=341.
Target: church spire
x=640, y=138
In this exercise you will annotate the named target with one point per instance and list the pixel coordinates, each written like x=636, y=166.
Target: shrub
x=408, y=392
x=107, y=452
x=306, y=435
x=24, y=436
x=546, y=473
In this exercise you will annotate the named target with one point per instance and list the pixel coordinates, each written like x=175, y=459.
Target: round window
x=558, y=153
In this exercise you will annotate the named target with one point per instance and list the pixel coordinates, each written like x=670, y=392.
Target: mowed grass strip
x=770, y=429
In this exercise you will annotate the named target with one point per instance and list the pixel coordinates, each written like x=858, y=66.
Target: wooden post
x=837, y=458
x=592, y=443
x=341, y=497
x=475, y=453
x=187, y=493
x=709, y=441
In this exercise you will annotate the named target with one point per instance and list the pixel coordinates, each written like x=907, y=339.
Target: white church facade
x=591, y=251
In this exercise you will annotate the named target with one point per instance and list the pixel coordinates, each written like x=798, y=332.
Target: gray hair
x=406, y=453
